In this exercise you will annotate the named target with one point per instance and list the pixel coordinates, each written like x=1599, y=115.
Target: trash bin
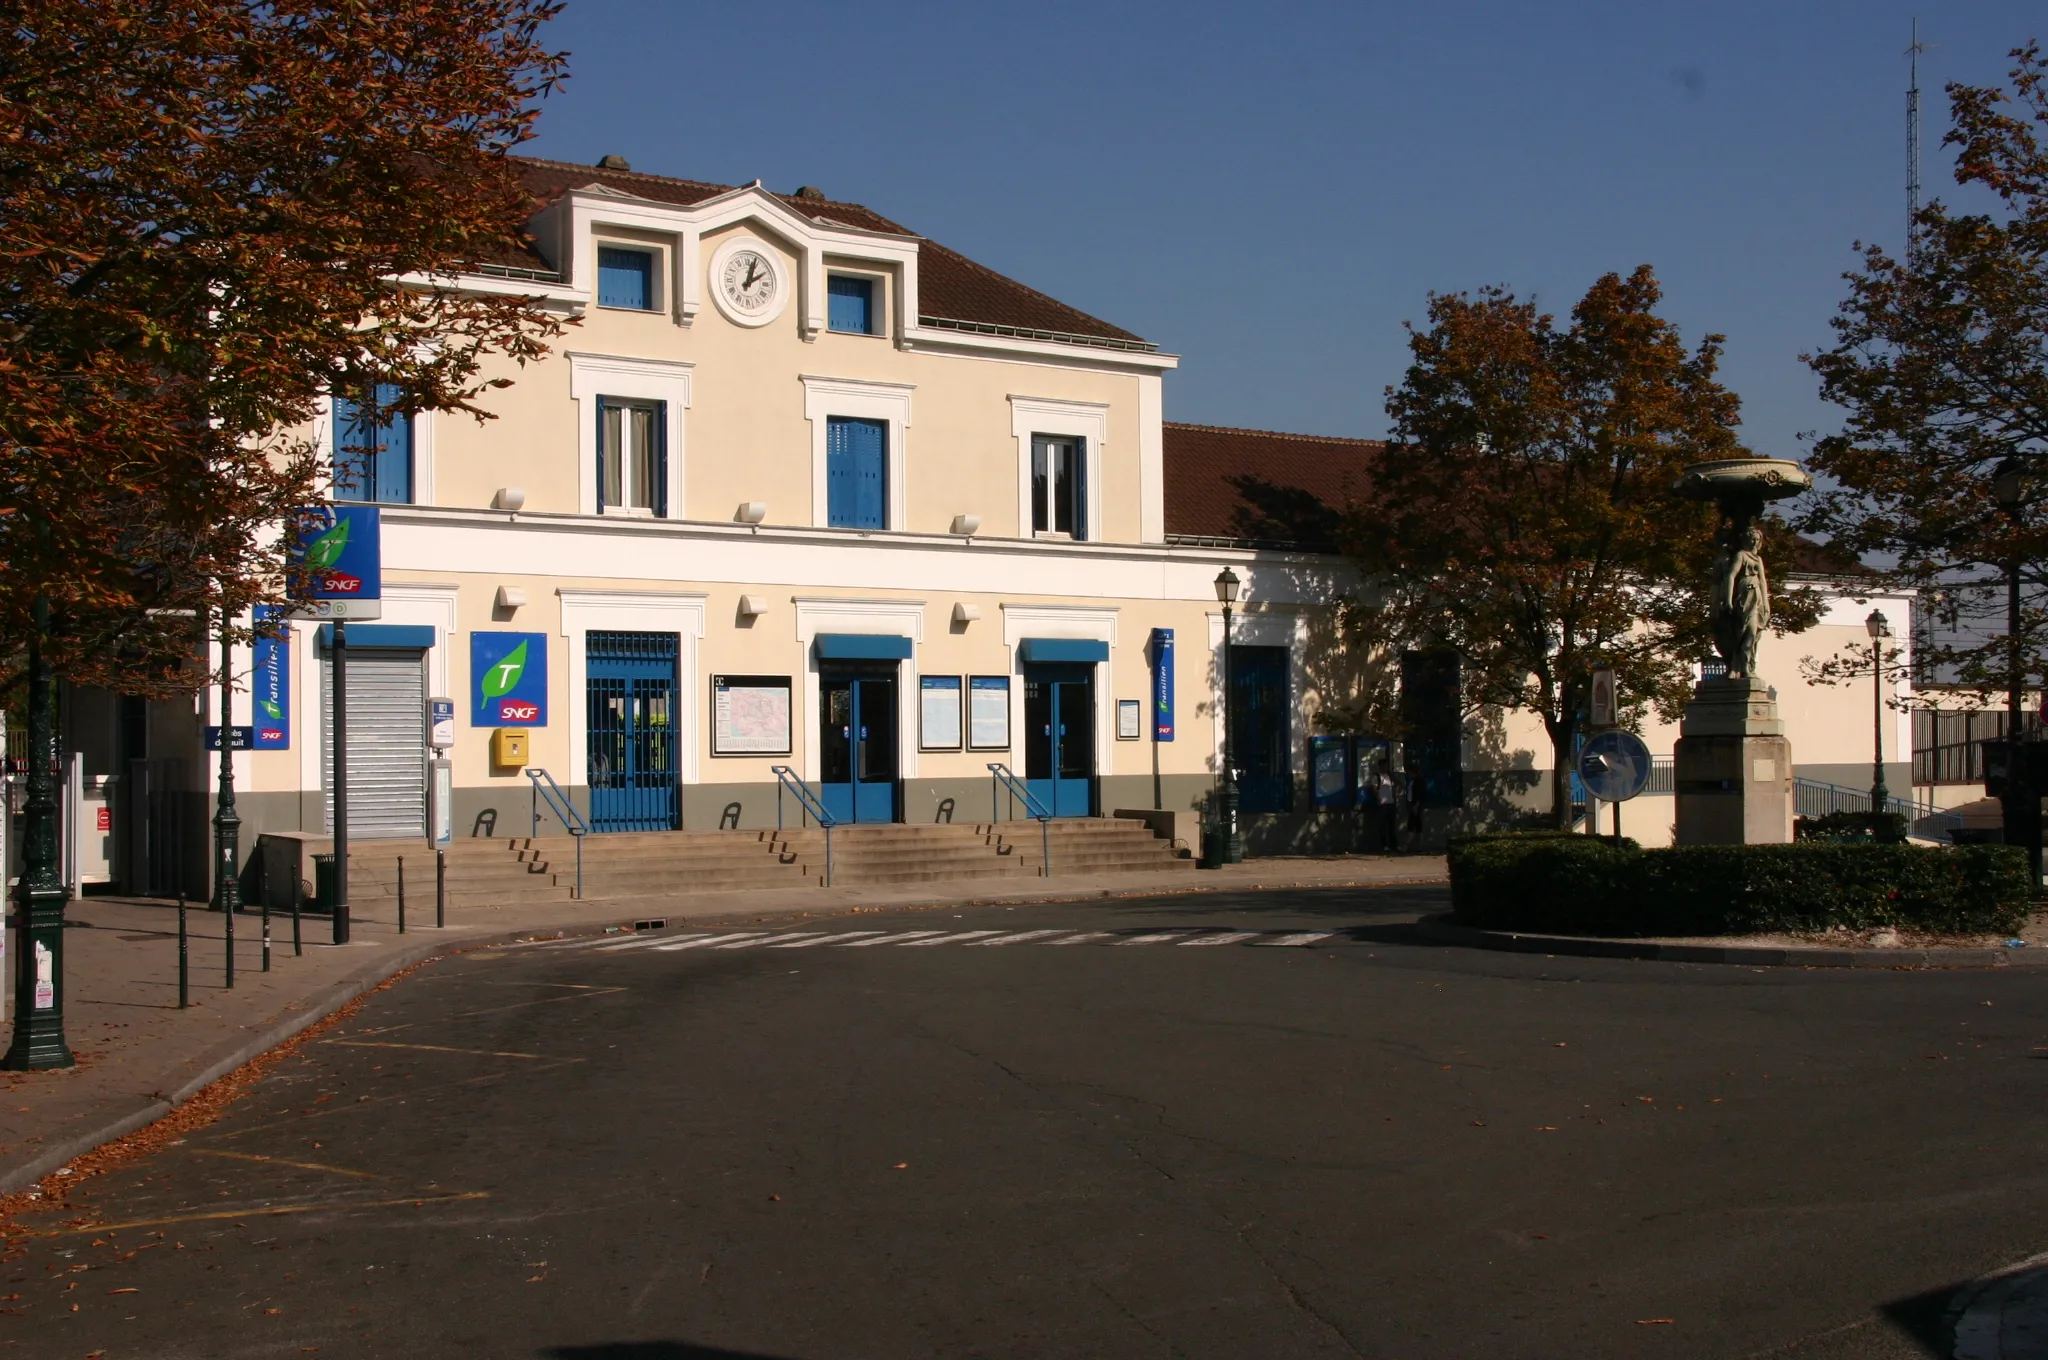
x=326, y=885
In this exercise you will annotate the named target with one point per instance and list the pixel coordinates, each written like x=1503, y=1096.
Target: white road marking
x=1018, y=938
x=1158, y=937
x=767, y=939
x=1228, y=937
x=891, y=939
x=1083, y=938
x=962, y=937
x=644, y=942
x=1304, y=938
x=823, y=939
x=704, y=940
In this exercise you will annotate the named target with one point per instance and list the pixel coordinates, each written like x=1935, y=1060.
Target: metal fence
x=1948, y=745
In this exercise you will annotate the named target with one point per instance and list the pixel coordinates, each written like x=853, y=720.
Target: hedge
x=1584, y=885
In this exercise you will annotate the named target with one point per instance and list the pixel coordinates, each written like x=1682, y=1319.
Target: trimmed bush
x=1888, y=827
x=1582, y=885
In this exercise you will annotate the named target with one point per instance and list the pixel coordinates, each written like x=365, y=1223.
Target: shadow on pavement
x=651, y=1350
x=1305, y=902
x=1924, y=1318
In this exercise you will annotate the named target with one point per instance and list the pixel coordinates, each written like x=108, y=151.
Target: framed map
x=938, y=711
x=988, y=712
x=750, y=715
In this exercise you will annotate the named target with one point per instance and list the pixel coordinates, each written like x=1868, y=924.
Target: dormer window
x=625, y=278
x=850, y=305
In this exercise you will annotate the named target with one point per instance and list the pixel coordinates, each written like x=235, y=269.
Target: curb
x=229, y=1056
x=2003, y=1315
x=1443, y=930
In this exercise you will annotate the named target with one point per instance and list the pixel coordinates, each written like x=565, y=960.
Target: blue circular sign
x=1615, y=766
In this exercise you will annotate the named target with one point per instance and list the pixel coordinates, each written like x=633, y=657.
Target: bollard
x=184, y=971
x=229, y=917
x=440, y=890
x=298, y=893
x=266, y=927
x=401, y=894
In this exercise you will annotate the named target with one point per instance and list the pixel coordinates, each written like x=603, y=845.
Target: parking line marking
x=1018, y=938
x=644, y=943
x=284, y=1161
x=767, y=939
x=1160, y=936
x=1083, y=938
x=442, y=1048
x=891, y=939
x=840, y=938
x=270, y=1211
x=959, y=938
x=1227, y=937
x=704, y=940
x=1306, y=937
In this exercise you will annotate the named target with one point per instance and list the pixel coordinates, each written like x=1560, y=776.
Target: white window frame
x=605, y=375
x=632, y=611
x=1094, y=623
x=893, y=618
x=1087, y=421
x=422, y=452
x=628, y=457
x=657, y=274
x=854, y=399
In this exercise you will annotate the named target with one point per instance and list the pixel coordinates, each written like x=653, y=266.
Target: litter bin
x=326, y=886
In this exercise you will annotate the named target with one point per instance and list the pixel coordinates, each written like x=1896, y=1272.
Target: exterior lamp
x=1228, y=842
x=1880, y=629
x=2021, y=798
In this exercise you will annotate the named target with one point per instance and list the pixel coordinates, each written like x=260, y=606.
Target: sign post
x=340, y=551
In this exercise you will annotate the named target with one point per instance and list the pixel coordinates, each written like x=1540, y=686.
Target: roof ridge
x=1272, y=434
x=601, y=170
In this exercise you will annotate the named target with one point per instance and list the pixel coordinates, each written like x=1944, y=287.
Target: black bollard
x=266, y=927
x=184, y=971
x=440, y=890
x=298, y=893
x=401, y=894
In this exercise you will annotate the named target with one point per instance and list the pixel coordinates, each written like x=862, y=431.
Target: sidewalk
x=139, y=1056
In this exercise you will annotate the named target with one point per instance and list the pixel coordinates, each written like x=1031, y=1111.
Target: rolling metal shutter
x=387, y=768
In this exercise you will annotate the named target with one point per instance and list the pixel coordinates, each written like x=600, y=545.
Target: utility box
x=508, y=748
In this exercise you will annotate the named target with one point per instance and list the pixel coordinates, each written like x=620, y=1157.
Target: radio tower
x=1913, y=145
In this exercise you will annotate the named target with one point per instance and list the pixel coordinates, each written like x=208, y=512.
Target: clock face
x=749, y=282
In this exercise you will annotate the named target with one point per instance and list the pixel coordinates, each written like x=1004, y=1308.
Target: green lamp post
x=39, y=970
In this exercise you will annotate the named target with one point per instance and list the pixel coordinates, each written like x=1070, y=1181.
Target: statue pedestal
x=1734, y=767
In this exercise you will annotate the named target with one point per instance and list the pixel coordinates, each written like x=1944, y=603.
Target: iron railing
x=546, y=790
x=809, y=804
x=1002, y=778
x=1817, y=798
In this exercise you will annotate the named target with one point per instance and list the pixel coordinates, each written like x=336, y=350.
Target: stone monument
x=1734, y=766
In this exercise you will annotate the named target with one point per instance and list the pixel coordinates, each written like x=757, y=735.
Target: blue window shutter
x=394, y=453
x=606, y=495
x=856, y=473
x=625, y=278
x=660, y=460
x=353, y=461
x=850, y=305
x=1080, y=488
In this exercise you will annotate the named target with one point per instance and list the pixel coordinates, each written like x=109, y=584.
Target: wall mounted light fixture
x=751, y=512
x=509, y=498
x=966, y=524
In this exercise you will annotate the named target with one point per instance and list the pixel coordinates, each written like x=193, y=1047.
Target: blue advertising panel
x=1330, y=770
x=508, y=679
x=270, y=687
x=1162, y=684
x=342, y=551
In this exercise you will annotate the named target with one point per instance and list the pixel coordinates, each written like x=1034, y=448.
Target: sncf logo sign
x=512, y=710
x=340, y=583
x=508, y=679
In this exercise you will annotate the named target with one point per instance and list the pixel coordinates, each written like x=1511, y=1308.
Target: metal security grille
x=387, y=763
x=631, y=692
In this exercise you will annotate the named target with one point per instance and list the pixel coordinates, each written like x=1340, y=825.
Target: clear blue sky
x=1270, y=190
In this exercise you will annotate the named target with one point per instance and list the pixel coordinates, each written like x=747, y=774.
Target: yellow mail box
x=508, y=748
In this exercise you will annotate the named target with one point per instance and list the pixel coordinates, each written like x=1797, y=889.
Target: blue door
x=631, y=692
x=856, y=473
x=1261, y=737
x=857, y=744
x=1059, y=738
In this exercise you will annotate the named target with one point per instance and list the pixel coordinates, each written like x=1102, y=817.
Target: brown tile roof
x=951, y=287
x=1262, y=486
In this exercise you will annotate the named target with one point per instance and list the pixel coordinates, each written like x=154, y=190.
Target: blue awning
x=862, y=647
x=1040, y=651
x=382, y=635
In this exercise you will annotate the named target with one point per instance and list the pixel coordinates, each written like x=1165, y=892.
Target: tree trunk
x=1560, y=773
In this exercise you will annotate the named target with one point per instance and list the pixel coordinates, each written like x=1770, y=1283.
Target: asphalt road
x=1361, y=1145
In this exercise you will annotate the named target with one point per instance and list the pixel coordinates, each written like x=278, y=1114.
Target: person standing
x=1386, y=823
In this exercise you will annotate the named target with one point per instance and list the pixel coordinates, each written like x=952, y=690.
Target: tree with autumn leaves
x=1522, y=514
x=212, y=213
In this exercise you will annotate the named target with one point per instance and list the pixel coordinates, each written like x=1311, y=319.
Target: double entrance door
x=1059, y=738
x=631, y=693
x=857, y=742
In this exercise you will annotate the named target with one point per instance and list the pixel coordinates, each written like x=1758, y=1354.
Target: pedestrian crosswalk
x=732, y=940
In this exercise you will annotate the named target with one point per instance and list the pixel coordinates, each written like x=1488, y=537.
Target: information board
x=1130, y=720
x=938, y=712
x=988, y=712
x=750, y=715
x=270, y=686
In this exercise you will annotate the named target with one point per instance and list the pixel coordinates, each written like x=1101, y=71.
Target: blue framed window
x=632, y=457
x=372, y=447
x=856, y=473
x=850, y=304
x=625, y=278
x=1059, y=486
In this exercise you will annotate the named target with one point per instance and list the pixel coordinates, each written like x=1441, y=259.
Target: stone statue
x=1742, y=597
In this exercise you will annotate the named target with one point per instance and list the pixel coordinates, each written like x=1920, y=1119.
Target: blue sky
x=1271, y=191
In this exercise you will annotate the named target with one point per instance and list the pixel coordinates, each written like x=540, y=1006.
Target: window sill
x=637, y=311
x=861, y=335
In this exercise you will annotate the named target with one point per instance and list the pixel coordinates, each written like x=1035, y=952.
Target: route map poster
x=750, y=715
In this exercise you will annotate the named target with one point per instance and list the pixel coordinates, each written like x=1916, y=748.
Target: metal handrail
x=1817, y=798
x=808, y=803
x=546, y=789
x=1002, y=777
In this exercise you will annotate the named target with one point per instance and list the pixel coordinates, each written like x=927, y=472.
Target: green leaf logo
x=271, y=710
x=326, y=550
x=503, y=676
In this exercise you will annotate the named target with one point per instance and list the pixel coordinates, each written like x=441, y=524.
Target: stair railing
x=546, y=790
x=808, y=804
x=1003, y=778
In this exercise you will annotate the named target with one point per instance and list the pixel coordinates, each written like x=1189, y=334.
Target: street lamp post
x=2021, y=798
x=1879, y=629
x=39, y=971
x=1232, y=839
x=227, y=823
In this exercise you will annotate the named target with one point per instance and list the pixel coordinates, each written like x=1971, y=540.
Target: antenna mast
x=1913, y=144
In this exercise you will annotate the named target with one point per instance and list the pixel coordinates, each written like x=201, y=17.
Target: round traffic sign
x=1615, y=766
